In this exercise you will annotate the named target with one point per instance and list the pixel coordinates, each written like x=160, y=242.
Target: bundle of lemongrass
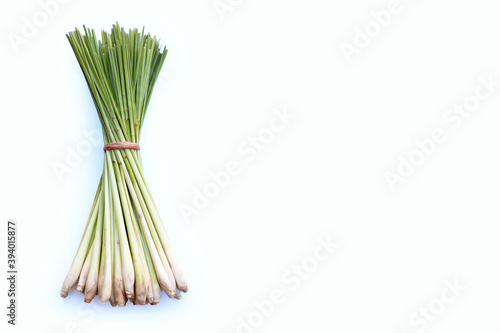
x=124, y=253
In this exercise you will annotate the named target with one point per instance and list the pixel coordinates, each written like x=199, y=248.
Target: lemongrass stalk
x=156, y=291
x=150, y=294
x=105, y=292
x=85, y=271
x=148, y=289
x=156, y=285
x=180, y=279
x=155, y=295
x=119, y=292
x=100, y=274
x=112, y=299
x=91, y=285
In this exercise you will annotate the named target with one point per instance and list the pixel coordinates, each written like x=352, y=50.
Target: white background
x=323, y=175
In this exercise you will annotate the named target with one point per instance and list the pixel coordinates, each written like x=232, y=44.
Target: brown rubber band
x=121, y=145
